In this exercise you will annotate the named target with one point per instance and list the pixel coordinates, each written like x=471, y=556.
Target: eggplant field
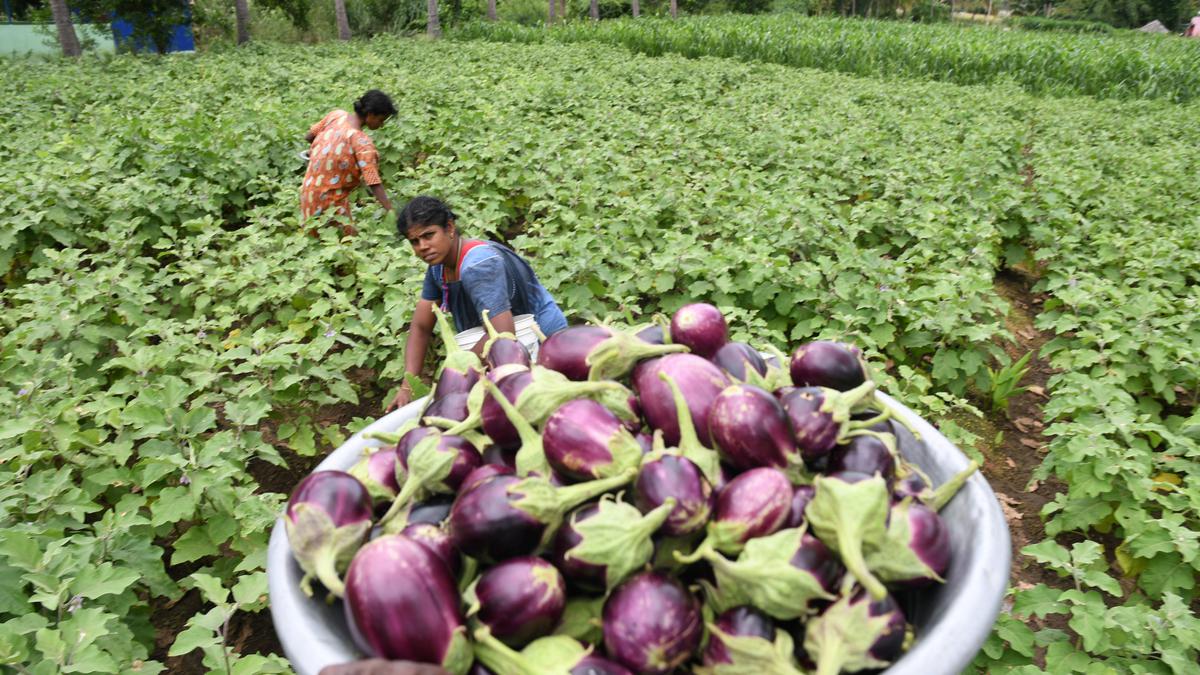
x=1022, y=269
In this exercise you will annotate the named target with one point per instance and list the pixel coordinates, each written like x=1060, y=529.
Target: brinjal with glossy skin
x=484, y=472
x=754, y=504
x=435, y=509
x=402, y=604
x=701, y=327
x=535, y=394
x=506, y=516
x=597, y=352
x=667, y=476
x=834, y=365
x=327, y=519
x=849, y=513
x=652, y=624
x=495, y=454
x=436, y=539
x=820, y=417
x=869, y=454
x=460, y=369
x=377, y=473
x=801, y=496
x=438, y=463
x=783, y=574
x=743, y=640
x=550, y=655
x=699, y=380
x=652, y=334
x=599, y=547
x=503, y=348
x=405, y=446
x=582, y=441
x=751, y=430
x=916, y=549
x=519, y=599
x=446, y=410
x=738, y=360
x=856, y=633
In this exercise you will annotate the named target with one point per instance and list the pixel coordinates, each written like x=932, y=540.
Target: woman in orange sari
x=341, y=156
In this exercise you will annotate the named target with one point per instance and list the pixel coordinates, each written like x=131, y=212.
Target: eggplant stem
x=946, y=491
x=895, y=414
x=445, y=331
x=387, y=437
x=852, y=558
x=325, y=569
x=704, y=550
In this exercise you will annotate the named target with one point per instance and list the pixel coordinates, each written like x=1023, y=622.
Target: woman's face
x=432, y=243
x=374, y=120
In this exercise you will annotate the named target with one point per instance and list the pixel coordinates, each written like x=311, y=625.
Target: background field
x=177, y=354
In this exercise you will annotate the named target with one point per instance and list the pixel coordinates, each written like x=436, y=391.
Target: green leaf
x=103, y=579
x=172, y=505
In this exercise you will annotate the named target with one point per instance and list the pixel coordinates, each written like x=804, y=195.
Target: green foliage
x=1004, y=382
x=169, y=336
x=1126, y=66
x=1040, y=23
x=153, y=21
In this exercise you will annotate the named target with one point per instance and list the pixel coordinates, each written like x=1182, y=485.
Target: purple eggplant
x=849, y=513
x=402, y=604
x=433, y=510
x=751, y=430
x=439, y=463
x=754, y=504
x=674, y=477
x=601, y=544
x=814, y=429
x=869, y=454
x=784, y=574
x=700, y=327
x=738, y=360
x=538, y=393
x=801, y=496
x=460, y=369
x=582, y=441
x=737, y=622
x=856, y=633
x=484, y=472
x=913, y=485
x=652, y=334
x=916, y=550
x=505, y=516
x=448, y=409
x=327, y=519
x=519, y=599
x=495, y=454
x=550, y=654
x=377, y=472
x=834, y=365
x=436, y=539
x=407, y=442
x=699, y=380
x=597, y=352
x=652, y=624
x=645, y=441
x=503, y=348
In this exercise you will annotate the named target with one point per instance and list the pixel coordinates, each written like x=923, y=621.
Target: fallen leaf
x=1033, y=486
x=1037, y=391
x=1031, y=443
x=1011, y=464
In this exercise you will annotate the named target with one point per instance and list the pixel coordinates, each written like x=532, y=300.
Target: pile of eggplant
x=647, y=501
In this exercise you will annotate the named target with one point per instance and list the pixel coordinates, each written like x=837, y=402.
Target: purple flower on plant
x=201, y=335
x=330, y=333
x=184, y=480
x=23, y=392
x=75, y=604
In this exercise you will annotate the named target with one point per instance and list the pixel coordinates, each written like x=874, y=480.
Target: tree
x=241, y=9
x=550, y=14
x=433, y=26
x=674, y=8
x=594, y=10
x=636, y=7
x=66, y=30
x=491, y=11
x=343, y=23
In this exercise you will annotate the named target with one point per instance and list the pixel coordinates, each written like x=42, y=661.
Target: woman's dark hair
x=374, y=102
x=424, y=211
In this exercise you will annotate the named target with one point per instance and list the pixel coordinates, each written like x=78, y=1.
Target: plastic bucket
x=952, y=620
x=523, y=324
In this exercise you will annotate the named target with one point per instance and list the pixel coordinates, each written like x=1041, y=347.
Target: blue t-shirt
x=496, y=279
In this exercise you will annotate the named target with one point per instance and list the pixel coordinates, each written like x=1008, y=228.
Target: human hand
x=381, y=667
x=402, y=398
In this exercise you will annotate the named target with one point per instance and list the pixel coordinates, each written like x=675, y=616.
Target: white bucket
x=525, y=335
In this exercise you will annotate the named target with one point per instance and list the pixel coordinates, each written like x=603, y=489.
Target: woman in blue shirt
x=466, y=277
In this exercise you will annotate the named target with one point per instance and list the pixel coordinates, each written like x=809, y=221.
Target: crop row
x=170, y=334
x=1125, y=66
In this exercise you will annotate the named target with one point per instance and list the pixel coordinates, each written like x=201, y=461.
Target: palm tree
x=433, y=27
x=66, y=30
x=242, y=11
x=343, y=24
x=492, y=11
